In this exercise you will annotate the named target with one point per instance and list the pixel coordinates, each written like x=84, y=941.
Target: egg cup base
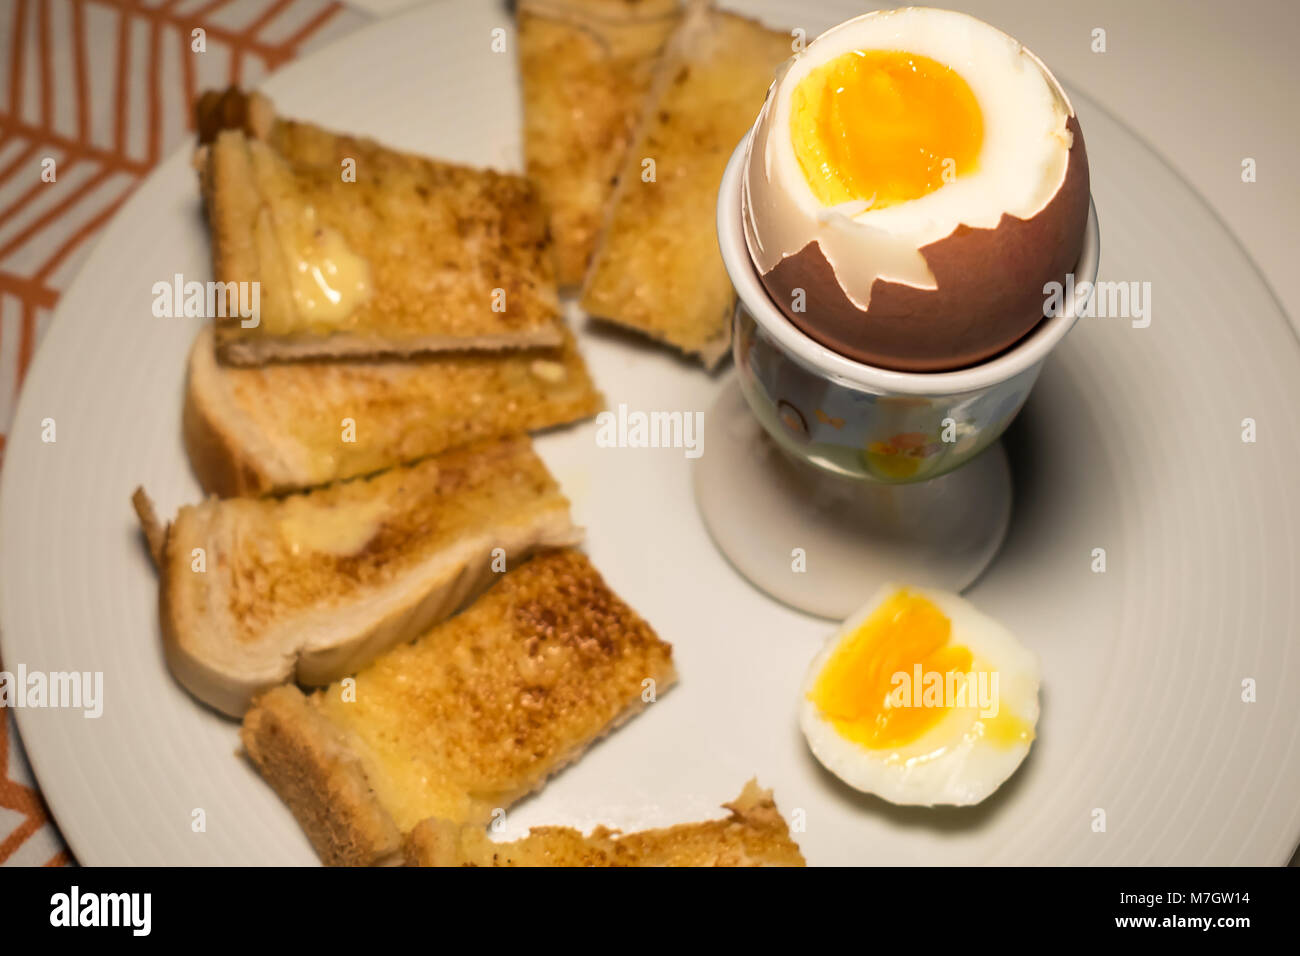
x=820, y=542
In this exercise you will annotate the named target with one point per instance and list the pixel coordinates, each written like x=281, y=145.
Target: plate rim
x=67, y=822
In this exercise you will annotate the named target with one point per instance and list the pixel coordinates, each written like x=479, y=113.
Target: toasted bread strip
x=249, y=431
x=471, y=717
x=257, y=592
x=657, y=268
x=753, y=834
x=360, y=250
x=586, y=67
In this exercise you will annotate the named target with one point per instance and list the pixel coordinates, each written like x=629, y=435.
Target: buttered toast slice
x=586, y=67
x=657, y=268
x=469, y=718
x=358, y=249
x=295, y=425
x=257, y=592
x=753, y=834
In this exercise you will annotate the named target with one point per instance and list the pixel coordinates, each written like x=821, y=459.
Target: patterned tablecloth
x=102, y=87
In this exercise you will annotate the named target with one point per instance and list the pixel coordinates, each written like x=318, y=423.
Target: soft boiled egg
x=914, y=179
x=921, y=699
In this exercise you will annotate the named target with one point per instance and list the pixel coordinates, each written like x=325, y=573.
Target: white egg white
x=1022, y=161
x=952, y=763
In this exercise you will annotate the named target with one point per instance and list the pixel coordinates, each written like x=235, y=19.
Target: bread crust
x=155, y=532
x=225, y=690
x=256, y=351
x=311, y=765
x=223, y=465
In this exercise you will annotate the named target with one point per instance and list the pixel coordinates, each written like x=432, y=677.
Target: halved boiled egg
x=921, y=699
x=913, y=181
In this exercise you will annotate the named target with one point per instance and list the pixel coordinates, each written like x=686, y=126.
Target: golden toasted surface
x=753, y=834
x=282, y=426
x=482, y=709
x=275, y=558
x=657, y=267
x=429, y=255
x=586, y=67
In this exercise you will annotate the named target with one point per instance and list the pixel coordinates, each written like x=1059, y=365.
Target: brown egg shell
x=989, y=295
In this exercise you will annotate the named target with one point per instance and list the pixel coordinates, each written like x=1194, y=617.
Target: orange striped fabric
x=102, y=88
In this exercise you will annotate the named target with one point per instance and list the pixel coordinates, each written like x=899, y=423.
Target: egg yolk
x=854, y=689
x=883, y=126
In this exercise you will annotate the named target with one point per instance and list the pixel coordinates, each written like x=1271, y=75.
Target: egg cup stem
x=822, y=543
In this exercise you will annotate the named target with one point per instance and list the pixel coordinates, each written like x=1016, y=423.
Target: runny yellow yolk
x=854, y=689
x=883, y=126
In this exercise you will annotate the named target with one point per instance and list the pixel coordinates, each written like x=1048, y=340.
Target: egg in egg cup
x=849, y=450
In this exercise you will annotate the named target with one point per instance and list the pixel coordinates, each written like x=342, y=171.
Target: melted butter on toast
x=339, y=531
x=328, y=280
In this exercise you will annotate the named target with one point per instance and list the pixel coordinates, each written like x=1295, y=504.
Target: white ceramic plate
x=1131, y=442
